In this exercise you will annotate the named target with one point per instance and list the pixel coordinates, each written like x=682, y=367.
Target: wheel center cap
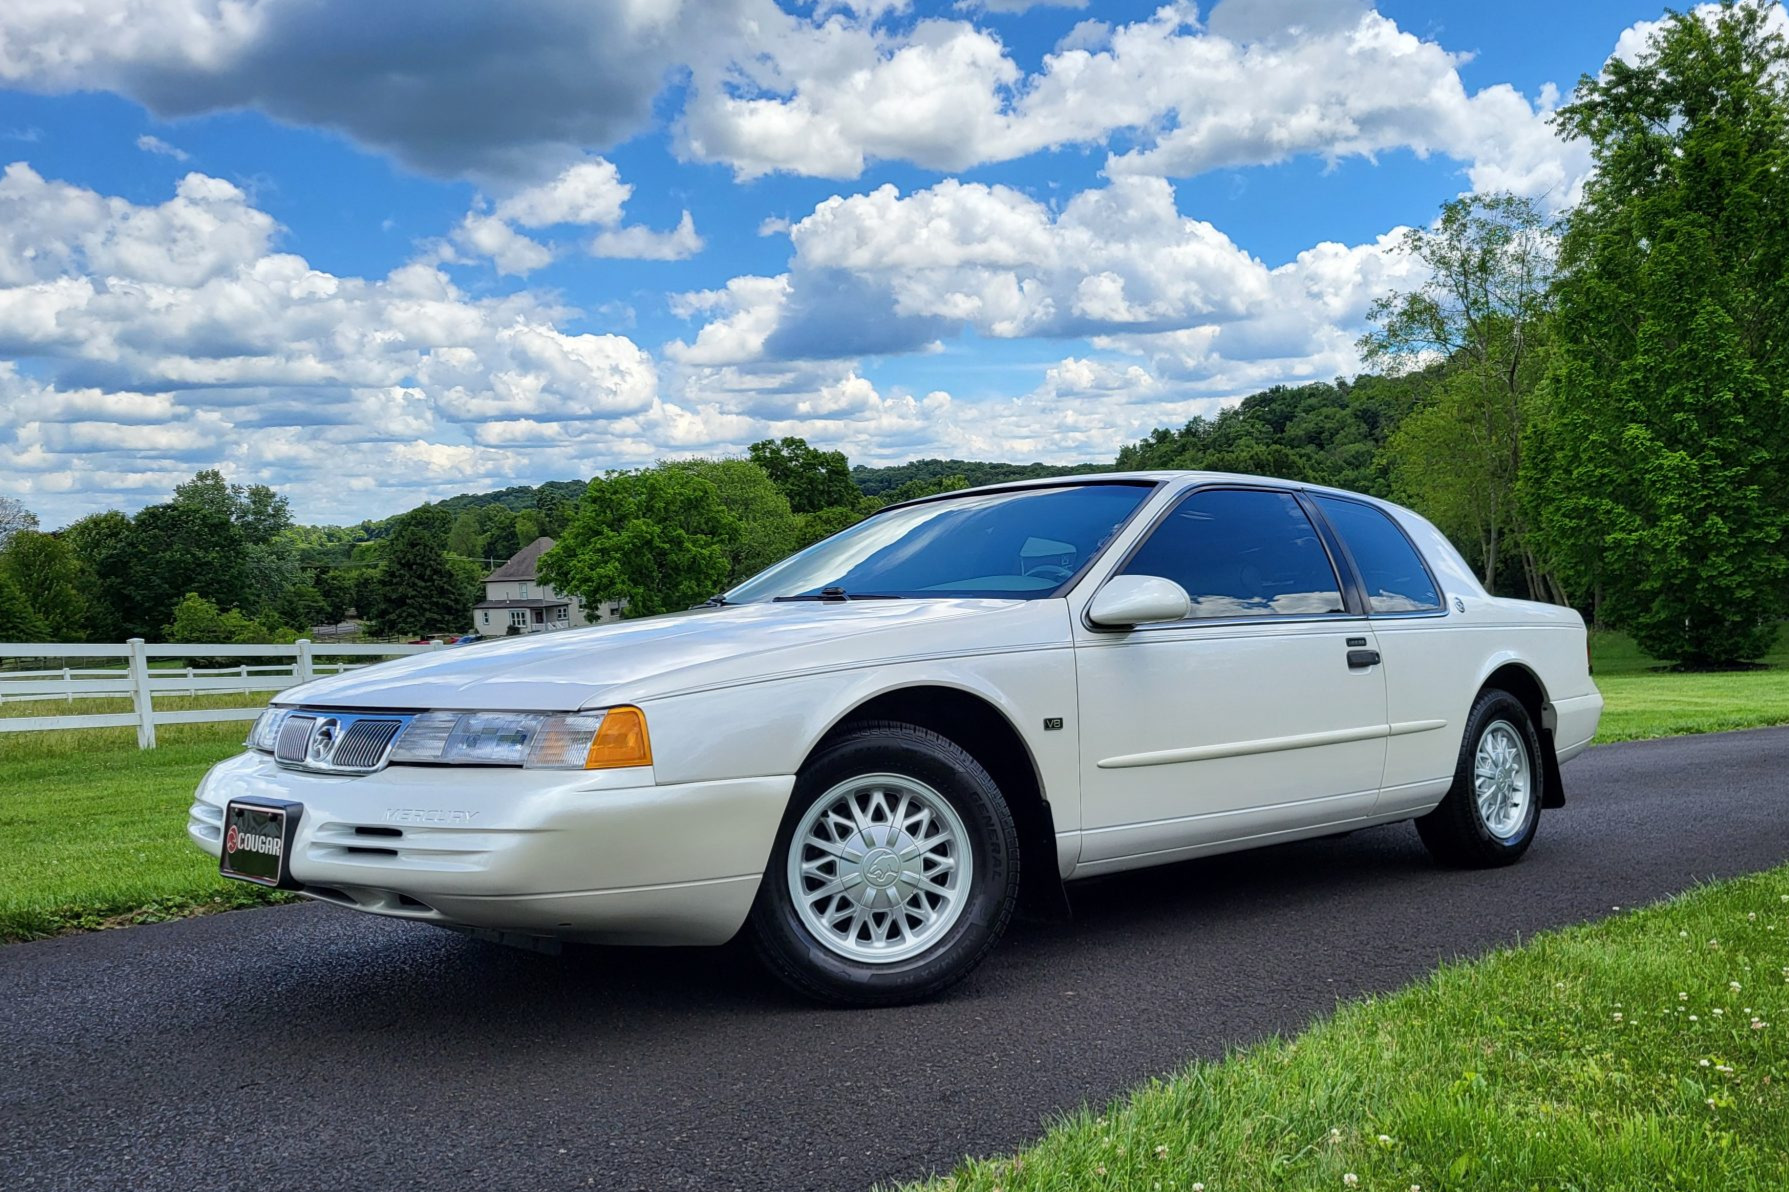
x=881, y=867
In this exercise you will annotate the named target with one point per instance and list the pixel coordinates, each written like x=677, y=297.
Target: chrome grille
x=337, y=742
x=363, y=743
x=295, y=736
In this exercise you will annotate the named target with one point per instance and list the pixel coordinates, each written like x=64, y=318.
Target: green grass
x=1615, y=1057
x=93, y=830
x=1644, y=699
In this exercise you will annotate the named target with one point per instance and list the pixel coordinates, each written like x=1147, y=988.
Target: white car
x=871, y=752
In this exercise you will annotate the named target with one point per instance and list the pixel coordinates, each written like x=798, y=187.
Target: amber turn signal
x=621, y=741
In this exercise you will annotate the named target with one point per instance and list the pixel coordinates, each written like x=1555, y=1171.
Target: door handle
x=1362, y=658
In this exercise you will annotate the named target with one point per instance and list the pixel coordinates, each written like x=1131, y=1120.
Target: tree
x=174, y=549
x=19, y=622
x=499, y=540
x=14, y=517
x=465, y=538
x=301, y=606
x=810, y=478
x=335, y=588
x=261, y=518
x=658, y=540
x=931, y=486
x=1663, y=477
x=98, y=542
x=48, y=578
x=767, y=526
x=417, y=590
x=1482, y=314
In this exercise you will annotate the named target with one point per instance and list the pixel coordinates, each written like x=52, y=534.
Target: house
x=515, y=602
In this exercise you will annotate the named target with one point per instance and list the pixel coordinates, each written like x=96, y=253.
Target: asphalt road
x=306, y=1047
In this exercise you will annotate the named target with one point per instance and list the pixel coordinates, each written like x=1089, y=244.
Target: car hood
x=630, y=661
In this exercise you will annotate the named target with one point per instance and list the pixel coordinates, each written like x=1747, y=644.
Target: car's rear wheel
x=1490, y=814
x=895, y=871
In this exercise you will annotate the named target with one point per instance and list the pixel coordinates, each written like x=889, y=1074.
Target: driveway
x=305, y=1047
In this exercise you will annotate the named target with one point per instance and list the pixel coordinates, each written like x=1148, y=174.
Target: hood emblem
x=324, y=737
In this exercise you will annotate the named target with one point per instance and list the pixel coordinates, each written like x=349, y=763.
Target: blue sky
x=453, y=246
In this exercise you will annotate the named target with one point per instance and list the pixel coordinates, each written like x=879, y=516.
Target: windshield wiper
x=715, y=602
x=835, y=593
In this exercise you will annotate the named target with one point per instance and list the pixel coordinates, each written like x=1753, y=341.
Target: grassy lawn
x=93, y=830
x=1645, y=1052
x=1644, y=700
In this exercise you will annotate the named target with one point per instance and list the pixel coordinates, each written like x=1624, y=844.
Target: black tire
x=1456, y=832
x=792, y=951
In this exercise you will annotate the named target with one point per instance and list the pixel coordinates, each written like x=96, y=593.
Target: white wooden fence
x=133, y=677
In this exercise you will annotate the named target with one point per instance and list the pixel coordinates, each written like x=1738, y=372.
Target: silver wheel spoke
x=879, y=868
x=1502, y=778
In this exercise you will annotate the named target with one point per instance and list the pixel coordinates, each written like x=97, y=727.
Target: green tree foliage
x=301, y=606
x=47, y=576
x=767, y=525
x=335, y=589
x=465, y=540
x=174, y=549
x=877, y=482
x=930, y=486
x=98, y=543
x=1321, y=433
x=552, y=509
x=498, y=539
x=417, y=591
x=197, y=621
x=660, y=539
x=261, y=518
x=19, y=622
x=527, y=526
x=1481, y=314
x=811, y=479
x=1661, y=478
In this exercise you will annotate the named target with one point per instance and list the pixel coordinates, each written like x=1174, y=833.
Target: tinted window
x=1020, y=544
x=1396, y=580
x=1242, y=553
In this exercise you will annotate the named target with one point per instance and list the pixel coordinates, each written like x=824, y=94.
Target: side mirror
x=1128, y=600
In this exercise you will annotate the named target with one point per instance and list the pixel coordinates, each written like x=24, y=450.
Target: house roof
x=521, y=604
x=521, y=564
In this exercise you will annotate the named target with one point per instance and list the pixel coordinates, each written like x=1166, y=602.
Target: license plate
x=257, y=840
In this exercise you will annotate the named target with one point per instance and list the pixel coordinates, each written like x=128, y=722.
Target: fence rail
x=138, y=679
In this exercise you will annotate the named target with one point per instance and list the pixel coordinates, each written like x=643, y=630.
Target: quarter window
x=1242, y=553
x=1394, y=575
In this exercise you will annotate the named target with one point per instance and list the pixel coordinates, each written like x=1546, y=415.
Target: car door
x=1263, y=712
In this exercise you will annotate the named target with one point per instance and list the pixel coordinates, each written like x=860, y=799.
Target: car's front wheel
x=1490, y=813
x=894, y=872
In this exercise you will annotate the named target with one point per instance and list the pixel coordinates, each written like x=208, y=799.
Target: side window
x=1394, y=575
x=1242, y=553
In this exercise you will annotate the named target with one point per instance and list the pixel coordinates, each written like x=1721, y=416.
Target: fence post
x=141, y=695
x=302, y=669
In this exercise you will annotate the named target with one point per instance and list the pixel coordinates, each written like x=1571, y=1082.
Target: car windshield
x=1020, y=544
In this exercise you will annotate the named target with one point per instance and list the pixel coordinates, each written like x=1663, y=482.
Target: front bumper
x=603, y=856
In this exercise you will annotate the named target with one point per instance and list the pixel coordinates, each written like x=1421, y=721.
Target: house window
x=487, y=616
x=523, y=589
x=518, y=617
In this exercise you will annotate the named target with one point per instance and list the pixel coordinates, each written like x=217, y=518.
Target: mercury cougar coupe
x=868, y=755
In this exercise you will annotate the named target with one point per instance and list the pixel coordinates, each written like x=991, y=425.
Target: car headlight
x=266, y=731
x=539, y=740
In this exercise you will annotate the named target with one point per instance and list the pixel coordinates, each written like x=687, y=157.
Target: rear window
x=1394, y=575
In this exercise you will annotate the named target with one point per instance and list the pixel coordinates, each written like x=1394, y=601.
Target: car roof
x=1159, y=476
